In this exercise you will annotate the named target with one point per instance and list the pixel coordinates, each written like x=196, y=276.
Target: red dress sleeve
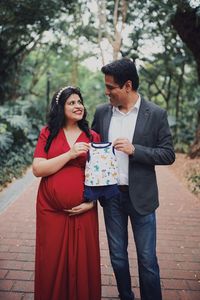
x=39, y=149
x=96, y=136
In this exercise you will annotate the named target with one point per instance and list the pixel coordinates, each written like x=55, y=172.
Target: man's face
x=117, y=95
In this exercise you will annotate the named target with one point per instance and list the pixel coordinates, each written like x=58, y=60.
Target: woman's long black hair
x=57, y=118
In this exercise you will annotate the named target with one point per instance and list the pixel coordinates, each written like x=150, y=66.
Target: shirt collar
x=135, y=107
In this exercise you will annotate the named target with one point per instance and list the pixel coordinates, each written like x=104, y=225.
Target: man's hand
x=123, y=144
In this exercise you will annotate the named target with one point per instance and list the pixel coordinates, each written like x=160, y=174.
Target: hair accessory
x=60, y=92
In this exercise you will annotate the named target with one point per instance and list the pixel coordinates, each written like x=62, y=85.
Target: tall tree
x=169, y=22
x=111, y=26
x=186, y=21
x=21, y=26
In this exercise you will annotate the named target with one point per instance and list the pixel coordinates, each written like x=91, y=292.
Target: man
x=140, y=133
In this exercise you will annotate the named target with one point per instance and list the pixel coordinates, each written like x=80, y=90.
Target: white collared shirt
x=122, y=125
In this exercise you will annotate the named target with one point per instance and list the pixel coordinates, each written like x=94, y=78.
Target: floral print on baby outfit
x=101, y=166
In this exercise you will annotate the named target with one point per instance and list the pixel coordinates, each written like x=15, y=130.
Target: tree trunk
x=102, y=25
x=187, y=24
x=195, y=147
x=114, y=34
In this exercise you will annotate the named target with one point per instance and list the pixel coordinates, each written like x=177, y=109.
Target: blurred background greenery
x=45, y=45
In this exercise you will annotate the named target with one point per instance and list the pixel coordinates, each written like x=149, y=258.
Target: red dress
x=67, y=263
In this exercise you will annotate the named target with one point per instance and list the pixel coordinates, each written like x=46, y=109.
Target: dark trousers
x=116, y=213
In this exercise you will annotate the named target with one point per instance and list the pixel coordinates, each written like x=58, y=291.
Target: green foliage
x=21, y=120
x=20, y=125
x=6, y=141
x=93, y=90
x=22, y=24
x=168, y=73
x=61, y=68
x=184, y=130
x=30, y=59
x=176, y=89
x=194, y=180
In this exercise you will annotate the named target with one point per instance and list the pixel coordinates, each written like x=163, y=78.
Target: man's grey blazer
x=153, y=146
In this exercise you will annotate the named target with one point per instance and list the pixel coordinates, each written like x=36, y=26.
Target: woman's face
x=74, y=109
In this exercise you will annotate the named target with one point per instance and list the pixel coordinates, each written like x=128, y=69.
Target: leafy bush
x=20, y=125
x=194, y=179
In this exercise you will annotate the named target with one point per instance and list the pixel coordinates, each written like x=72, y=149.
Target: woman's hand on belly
x=79, y=209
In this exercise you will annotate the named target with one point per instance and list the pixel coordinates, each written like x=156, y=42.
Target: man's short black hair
x=122, y=70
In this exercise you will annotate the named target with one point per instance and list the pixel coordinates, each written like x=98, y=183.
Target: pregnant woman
x=67, y=246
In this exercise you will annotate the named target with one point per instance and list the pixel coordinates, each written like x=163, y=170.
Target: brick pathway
x=178, y=246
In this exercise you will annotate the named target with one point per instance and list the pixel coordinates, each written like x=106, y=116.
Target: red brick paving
x=178, y=246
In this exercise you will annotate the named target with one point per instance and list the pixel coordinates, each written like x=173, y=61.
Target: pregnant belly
x=67, y=187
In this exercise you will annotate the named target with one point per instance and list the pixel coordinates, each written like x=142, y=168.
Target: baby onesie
x=101, y=172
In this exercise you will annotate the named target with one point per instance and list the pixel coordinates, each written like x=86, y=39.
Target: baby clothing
x=101, y=172
x=101, y=166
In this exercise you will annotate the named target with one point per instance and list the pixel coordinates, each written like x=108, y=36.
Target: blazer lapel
x=106, y=123
x=142, y=118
